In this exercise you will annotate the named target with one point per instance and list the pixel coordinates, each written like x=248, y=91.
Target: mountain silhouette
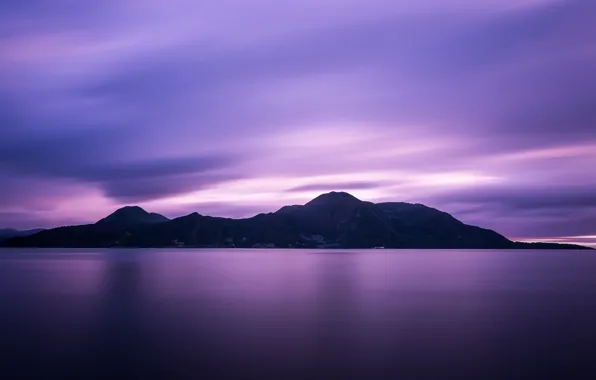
x=7, y=233
x=131, y=216
x=331, y=220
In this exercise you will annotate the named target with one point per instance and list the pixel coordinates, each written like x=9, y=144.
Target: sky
x=484, y=109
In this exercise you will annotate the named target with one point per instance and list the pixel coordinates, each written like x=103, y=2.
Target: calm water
x=278, y=314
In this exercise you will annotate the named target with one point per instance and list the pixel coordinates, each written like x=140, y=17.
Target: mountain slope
x=130, y=216
x=334, y=219
x=426, y=227
x=8, y=233
x=343, y=220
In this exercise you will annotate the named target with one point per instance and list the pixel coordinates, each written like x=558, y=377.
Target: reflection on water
x=294, y=314
x=120, y=333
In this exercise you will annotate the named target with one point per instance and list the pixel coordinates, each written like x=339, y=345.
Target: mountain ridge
x=129, y=216
x=331, y=220
x=8, y=233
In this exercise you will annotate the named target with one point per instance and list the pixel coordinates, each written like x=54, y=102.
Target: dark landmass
x=332, y=220
x=8, y=233
x=521, y=245
x=130, y=216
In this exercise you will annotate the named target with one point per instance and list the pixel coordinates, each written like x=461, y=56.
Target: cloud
x=89, y=95
x=553, y=210
x=530, y=198
x=339, y=186
x=99, y=157
x=146, y=189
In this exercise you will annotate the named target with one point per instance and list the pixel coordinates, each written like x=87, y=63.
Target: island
x=331, y=220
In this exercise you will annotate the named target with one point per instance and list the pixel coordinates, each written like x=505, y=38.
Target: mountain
x=8, y=233
x=332, y=220
x=130, y=216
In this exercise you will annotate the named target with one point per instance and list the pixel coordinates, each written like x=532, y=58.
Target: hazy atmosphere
x=483, y=109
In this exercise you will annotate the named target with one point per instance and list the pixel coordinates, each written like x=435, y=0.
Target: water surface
x=298, y=314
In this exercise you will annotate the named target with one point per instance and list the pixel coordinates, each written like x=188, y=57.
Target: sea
x=297, y=314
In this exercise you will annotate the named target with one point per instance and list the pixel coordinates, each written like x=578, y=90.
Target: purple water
x=297, y=314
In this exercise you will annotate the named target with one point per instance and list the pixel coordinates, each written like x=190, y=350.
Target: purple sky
x=484, y=109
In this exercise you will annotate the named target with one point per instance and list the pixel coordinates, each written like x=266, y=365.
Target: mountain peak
x=334, y=197
x=131, y=215
x=131, y=208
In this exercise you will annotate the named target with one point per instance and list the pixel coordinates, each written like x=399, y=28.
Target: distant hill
x=332, y=220
x=8, y=233
x=130, y=216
